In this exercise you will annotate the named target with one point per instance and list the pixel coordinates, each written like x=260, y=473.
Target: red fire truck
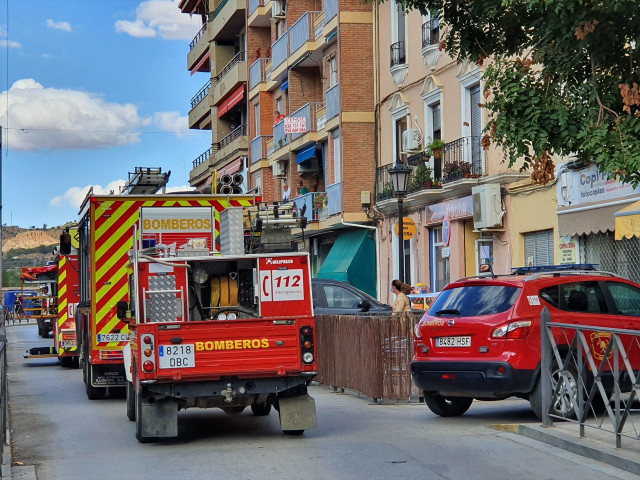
x=229, y=330
x=106, y=234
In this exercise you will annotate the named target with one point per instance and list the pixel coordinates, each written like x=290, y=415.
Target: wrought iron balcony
x=431, y=32
x=398, y=54
x=198, y=36
x=236, y=133
x=462, y=158
x=202, y=93
x=238, y=57
x=421, y=178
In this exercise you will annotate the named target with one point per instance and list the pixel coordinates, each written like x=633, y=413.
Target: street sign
x=446, y=231
x=408, y=226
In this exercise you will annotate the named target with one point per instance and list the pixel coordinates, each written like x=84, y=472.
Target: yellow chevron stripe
x=107, y=290
x=114, y=257
x=115, y=217
x=120, y=293
x=109, y=329
x=103, y=207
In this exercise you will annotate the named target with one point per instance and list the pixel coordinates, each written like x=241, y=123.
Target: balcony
x=233, y=74
x=227, y=20
x=332, y=98
x=258, y=149
x=280, y=139
x=398, y=58
x=280, y=51
x=330, y=10
x=431, y=42
x=302, y=31
x=200, y=113
x=259, y=13
x=234, y=144
x=202, y=164
x=258, y=72
x=197, y=58
x=306, y=203
x=462, y=158
x=334, y=199
x=308, y=112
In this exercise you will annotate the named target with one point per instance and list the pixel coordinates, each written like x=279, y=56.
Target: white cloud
x=10, y=43
x=50, y=118
x=66, y=26
x=74, y=196
x=162, y=18
x=172, y=122
x=183, y=188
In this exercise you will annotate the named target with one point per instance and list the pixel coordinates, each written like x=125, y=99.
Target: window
x=477, y=300
x=440, y=267
x=401, y=127
x=339, y=297
x=582, y=297
x=538, y=248
x=333, y=71
x=626, y=298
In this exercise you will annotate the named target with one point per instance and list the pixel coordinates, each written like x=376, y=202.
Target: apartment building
x=466, y=208
x=288, y=94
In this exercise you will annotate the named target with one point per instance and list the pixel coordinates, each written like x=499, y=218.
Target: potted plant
x=320, y=200
x=387, y=190
x=422, y=176
x=435, y=148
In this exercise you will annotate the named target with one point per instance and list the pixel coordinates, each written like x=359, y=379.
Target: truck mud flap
x=159, y=419
x=108, y=375
x=298, y=413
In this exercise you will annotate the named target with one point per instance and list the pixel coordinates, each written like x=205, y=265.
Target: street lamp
x=399, y=178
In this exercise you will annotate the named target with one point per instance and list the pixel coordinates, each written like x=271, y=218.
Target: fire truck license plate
x=113, y=337
x=177, y=356
x=453, y=342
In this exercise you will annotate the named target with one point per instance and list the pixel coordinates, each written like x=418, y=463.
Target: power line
x=28, y=129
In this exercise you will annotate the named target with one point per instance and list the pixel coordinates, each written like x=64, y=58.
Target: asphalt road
x=57, y=433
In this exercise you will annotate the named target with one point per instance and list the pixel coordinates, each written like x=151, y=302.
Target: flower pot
x=437, y=153
x=428, y=184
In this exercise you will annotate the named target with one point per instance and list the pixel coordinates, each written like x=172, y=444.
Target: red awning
x=231, y=168
x=231, y=101
x=199, y=64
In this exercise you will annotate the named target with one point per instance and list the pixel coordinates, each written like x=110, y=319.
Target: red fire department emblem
x=599, y=343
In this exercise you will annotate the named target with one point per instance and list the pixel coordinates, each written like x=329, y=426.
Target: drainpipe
x=358, y=225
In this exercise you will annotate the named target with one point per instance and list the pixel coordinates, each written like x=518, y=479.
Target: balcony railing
x=398, y=54
x=258, y=148
x=198, y=36
x=431, y=32
x=203, y=157
x=238, y=57
x=306, y=203
x=280, y=139
x=330, y=9
x=301, y=31
x=462, y=158
x=280, y=50
x=333, y=101
x=334, y=198
x=219, y=8
x=202, y=93
x=308, y=112
x=416, y=183
x=254, y=4
x=257, y=72
x=236, y=133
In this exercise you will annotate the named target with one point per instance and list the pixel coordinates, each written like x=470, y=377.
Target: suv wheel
x=447, y=406
x=564, y=405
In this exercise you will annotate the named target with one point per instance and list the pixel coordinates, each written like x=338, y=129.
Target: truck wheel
x=447, y=406
x=65, y=361
x=131, y=402
x=141, y=438
x=261, y=409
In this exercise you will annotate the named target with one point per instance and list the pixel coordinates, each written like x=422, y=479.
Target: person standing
x=402, y=303
x=301, y=188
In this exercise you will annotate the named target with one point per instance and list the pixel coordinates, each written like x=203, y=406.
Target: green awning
x=352, y=259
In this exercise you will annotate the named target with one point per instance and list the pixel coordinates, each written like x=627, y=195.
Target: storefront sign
x=568, y=250
x=454, y=209
x=408, y=227
x=589, y=185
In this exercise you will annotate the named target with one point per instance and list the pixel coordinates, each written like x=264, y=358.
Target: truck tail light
x=306, y=344
x=513, y=330
x=148, y=366
x=148, y=354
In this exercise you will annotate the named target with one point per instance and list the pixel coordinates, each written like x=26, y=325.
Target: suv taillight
x=416, y=331
x=514, y=329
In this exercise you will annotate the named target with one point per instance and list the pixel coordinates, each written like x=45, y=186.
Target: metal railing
x=280, y=50
x=330, y=9
x=304, y=206
x=398, y=54
x=201, y=95
x=257, y=73
x=416, y=182
x=302, y=30
x=237, y=58
x=591, y=354
x=332, y=98
x=198, y=36
x=219, y=8
x=254, y=4
x=462, y=157
x=204, y=156
x=334, y=198
x=431, y=32
x=235, y=133
x=308, y=112
x=258, y=148
x=280, y=139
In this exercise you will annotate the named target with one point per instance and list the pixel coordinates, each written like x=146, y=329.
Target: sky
x=93, y=89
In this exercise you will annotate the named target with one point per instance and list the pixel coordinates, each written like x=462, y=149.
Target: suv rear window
x=475, y=300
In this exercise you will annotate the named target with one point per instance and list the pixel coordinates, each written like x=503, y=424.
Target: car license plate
x=453, y=341
x=177, y=356
x=113, y=337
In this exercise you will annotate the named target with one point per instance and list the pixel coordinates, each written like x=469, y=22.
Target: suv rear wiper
x=447, y=311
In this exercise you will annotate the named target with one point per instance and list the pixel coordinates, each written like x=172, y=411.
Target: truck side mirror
x=122, y=309
x=65, y=244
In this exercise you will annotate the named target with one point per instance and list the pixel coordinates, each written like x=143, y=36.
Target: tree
x=561, y=78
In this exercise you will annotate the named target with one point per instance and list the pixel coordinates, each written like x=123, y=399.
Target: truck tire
x=447, y=406
x=261, y=409
x=131, y=402
x=141, y=438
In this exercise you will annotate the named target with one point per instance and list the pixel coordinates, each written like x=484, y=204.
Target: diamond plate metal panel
x=163, y=307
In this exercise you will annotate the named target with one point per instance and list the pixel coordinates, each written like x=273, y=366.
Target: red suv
x=481, y=338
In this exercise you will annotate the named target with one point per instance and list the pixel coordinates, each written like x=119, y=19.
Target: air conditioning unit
x=411, y=140
x=278, y=9
x=309, y=166
x=279, y=169
x=487, y=206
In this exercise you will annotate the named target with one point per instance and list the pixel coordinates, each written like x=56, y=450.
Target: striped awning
x=231, y=101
